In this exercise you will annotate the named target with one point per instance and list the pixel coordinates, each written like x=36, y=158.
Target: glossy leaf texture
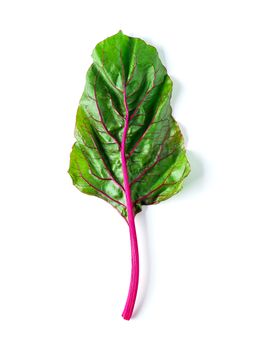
x=127, y=80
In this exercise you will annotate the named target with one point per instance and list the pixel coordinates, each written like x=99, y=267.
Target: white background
x=64, y=256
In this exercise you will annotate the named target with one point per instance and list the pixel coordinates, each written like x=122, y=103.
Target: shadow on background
x=196, y=176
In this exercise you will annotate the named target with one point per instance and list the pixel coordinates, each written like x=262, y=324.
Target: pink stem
x=130, y=302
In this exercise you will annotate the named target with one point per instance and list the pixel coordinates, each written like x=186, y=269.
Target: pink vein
x=102, y=159
x=114, y=108
x=158, y=160
x=141, y=102
x=157, y=188
x=147, y=93
x=101, y=117
x=95, y=175
x=99, y=177
x=109, y=80
x=149, y=193
x=100, y=191
x=143, y=135
x=132, y=73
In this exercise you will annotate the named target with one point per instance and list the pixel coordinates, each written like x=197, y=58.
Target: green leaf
x=127, y=80
x=129, y=149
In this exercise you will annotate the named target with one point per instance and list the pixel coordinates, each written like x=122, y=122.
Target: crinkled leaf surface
x=127, y=79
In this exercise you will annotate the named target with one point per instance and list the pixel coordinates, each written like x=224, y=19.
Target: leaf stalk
x=130, y=302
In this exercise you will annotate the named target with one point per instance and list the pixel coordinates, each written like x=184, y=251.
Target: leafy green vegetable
x=129, y=150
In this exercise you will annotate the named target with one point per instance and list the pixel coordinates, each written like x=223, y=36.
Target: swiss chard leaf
x=129, y=150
